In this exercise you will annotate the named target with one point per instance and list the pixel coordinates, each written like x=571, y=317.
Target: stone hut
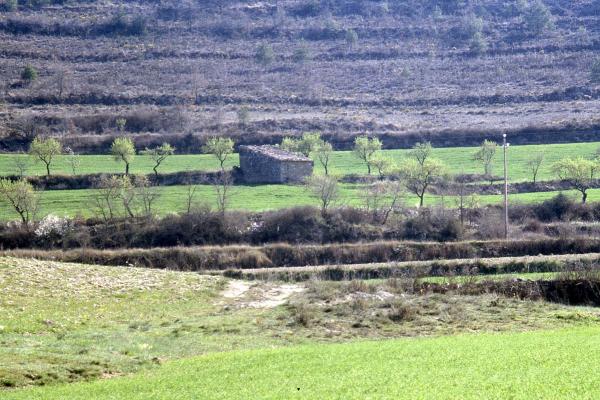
x=270, y=164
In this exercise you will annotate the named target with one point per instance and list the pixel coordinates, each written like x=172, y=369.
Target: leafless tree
x=147, y=195
x=534, y=164
x=325, y=188
x=62, y=81
x=382, y=198
x=21, y=164
x=106, y=196
x=222, y=186
x=24, y=127
x=190, y=197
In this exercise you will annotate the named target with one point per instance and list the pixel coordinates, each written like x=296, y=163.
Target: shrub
x=29, y=74
x=400, y=311
x=557, y=208
x=438, y=225
x=295, y=225
x=537, y=18
x=264, y=55
x=310, y=8
x=478, y=44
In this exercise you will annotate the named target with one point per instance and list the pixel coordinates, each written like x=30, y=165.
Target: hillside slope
x=450, y=71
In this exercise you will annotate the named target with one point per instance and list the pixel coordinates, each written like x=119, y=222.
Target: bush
x=29, y=74
x=264, y=55
x=439, y=225
x=310, y=8
x=557, y=208
x=537, y=18
x=294, y=225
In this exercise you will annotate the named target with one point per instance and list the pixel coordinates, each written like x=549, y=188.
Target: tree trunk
x=155, y=171
x=47, y=169
x=126, y=169
x=421, y=198
x=369, y=168
x=583, y=196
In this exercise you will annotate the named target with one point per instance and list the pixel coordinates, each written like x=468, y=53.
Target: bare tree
x=534, y=164
x=190, y=197
x=382, y=198
x=147, y=195
x=159, y=154
x=73, y=159
x=21, y=164
x=62, y=81
x=324, y=188
x=222, y=186
x=106, y=196
x=24, y=127
x=421, y=152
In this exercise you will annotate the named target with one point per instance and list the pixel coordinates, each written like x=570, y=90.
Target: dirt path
x=236, y=289
x=259, y=295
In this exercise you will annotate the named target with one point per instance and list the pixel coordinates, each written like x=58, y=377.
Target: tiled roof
x=275, y=153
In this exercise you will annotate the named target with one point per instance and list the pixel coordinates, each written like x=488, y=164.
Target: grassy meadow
x=252, y=198
x=63, y=323
x=268, y=197
x=517, y=366
x=457, y=159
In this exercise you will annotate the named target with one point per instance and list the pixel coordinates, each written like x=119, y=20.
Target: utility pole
x=505, y=148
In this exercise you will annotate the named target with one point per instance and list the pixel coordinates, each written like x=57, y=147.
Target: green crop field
x=458, y=160
x=535, y=365
x=250, y=198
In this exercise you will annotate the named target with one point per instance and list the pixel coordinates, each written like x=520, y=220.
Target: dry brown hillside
x=450, y=70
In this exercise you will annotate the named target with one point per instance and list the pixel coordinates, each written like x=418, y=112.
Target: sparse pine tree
x=29, y=74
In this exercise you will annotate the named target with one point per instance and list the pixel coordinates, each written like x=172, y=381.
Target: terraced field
x=457, y=159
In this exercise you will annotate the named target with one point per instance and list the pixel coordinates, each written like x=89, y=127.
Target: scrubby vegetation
x=405, y=71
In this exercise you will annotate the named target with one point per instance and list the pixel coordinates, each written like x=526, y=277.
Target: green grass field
x=535, y=365
x=64, y=323
x=458, y=160
x=250, y=198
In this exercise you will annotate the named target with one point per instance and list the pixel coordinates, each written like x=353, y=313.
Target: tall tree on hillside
x=365, y=149
x=45, y=150
x=123, y=149
x=219, y=147
x=579, y=172
x=159, y=154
